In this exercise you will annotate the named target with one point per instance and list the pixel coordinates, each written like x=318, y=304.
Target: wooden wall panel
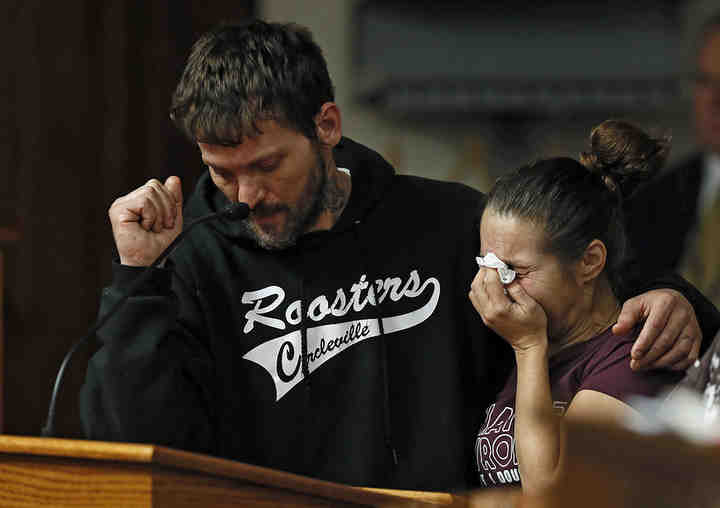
x=85, y=122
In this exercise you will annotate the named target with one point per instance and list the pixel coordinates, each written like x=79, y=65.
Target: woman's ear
x=328, y=124
x=592, y=261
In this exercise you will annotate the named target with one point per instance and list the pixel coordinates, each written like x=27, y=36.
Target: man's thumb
x=630, y=315
x=174, y=185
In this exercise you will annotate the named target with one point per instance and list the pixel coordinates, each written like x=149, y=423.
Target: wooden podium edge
x=214, y=466
x=437, y=498
x=76, y=448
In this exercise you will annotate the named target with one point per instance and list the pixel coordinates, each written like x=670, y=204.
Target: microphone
x=234, y=211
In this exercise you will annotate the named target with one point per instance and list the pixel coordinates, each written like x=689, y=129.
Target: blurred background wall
x=455, y=90
x=639, y=53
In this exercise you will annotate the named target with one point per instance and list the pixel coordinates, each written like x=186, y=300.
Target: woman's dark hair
x=577, y=202
x=239, y=74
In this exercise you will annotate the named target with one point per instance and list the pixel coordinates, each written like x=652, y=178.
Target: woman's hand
x=515, y=316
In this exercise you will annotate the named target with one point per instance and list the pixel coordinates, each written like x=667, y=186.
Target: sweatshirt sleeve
x=152, y=379
x=650, y=256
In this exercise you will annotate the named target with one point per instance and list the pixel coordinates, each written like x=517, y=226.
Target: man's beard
x=298, y=218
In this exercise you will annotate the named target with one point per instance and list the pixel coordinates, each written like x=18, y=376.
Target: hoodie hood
x=371, y=178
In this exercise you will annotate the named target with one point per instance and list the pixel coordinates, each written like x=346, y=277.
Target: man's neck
x=334, y=199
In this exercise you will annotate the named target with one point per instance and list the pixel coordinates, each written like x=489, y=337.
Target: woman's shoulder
x=602, y=347
x=607, y=346
x=608, y=369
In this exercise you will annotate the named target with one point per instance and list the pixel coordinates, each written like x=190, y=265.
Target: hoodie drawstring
x=387, y=419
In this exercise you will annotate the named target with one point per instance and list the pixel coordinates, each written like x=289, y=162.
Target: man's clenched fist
x=147, y=220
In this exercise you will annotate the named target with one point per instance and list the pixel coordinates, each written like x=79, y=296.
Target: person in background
x=557, y=225
x=329, y=334
x=674, y=222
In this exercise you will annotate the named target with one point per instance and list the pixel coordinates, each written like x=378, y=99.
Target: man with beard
x=329, y=334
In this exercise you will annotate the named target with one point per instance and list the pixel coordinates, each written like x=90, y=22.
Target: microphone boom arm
x=235, y=211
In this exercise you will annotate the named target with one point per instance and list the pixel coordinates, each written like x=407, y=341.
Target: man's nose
x=250, y=191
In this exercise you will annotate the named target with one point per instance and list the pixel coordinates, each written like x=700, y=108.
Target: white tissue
x=492, y=261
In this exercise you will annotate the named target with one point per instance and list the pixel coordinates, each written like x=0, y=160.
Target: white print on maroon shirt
x=281, y=356
x=495, y=446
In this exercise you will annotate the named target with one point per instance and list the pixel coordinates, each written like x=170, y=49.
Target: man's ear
x=328, y=124
x=592, y=261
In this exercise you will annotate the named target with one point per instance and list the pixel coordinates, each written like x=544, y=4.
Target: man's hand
x=147, y=220
x=670, y=337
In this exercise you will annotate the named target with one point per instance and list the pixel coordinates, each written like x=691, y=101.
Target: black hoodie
x=209, y=355
x=354, y=356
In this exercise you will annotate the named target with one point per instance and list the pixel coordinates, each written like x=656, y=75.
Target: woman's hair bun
x=624, y=155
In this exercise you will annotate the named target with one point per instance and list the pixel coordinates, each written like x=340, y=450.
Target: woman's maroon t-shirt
x=601, y=364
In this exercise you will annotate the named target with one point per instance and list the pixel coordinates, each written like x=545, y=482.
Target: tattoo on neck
x=336, y=196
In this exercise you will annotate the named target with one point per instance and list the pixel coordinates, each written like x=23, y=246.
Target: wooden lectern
x=38, y=471
x=608, y=465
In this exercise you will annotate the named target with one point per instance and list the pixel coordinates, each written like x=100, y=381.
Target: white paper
x=490, y=260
